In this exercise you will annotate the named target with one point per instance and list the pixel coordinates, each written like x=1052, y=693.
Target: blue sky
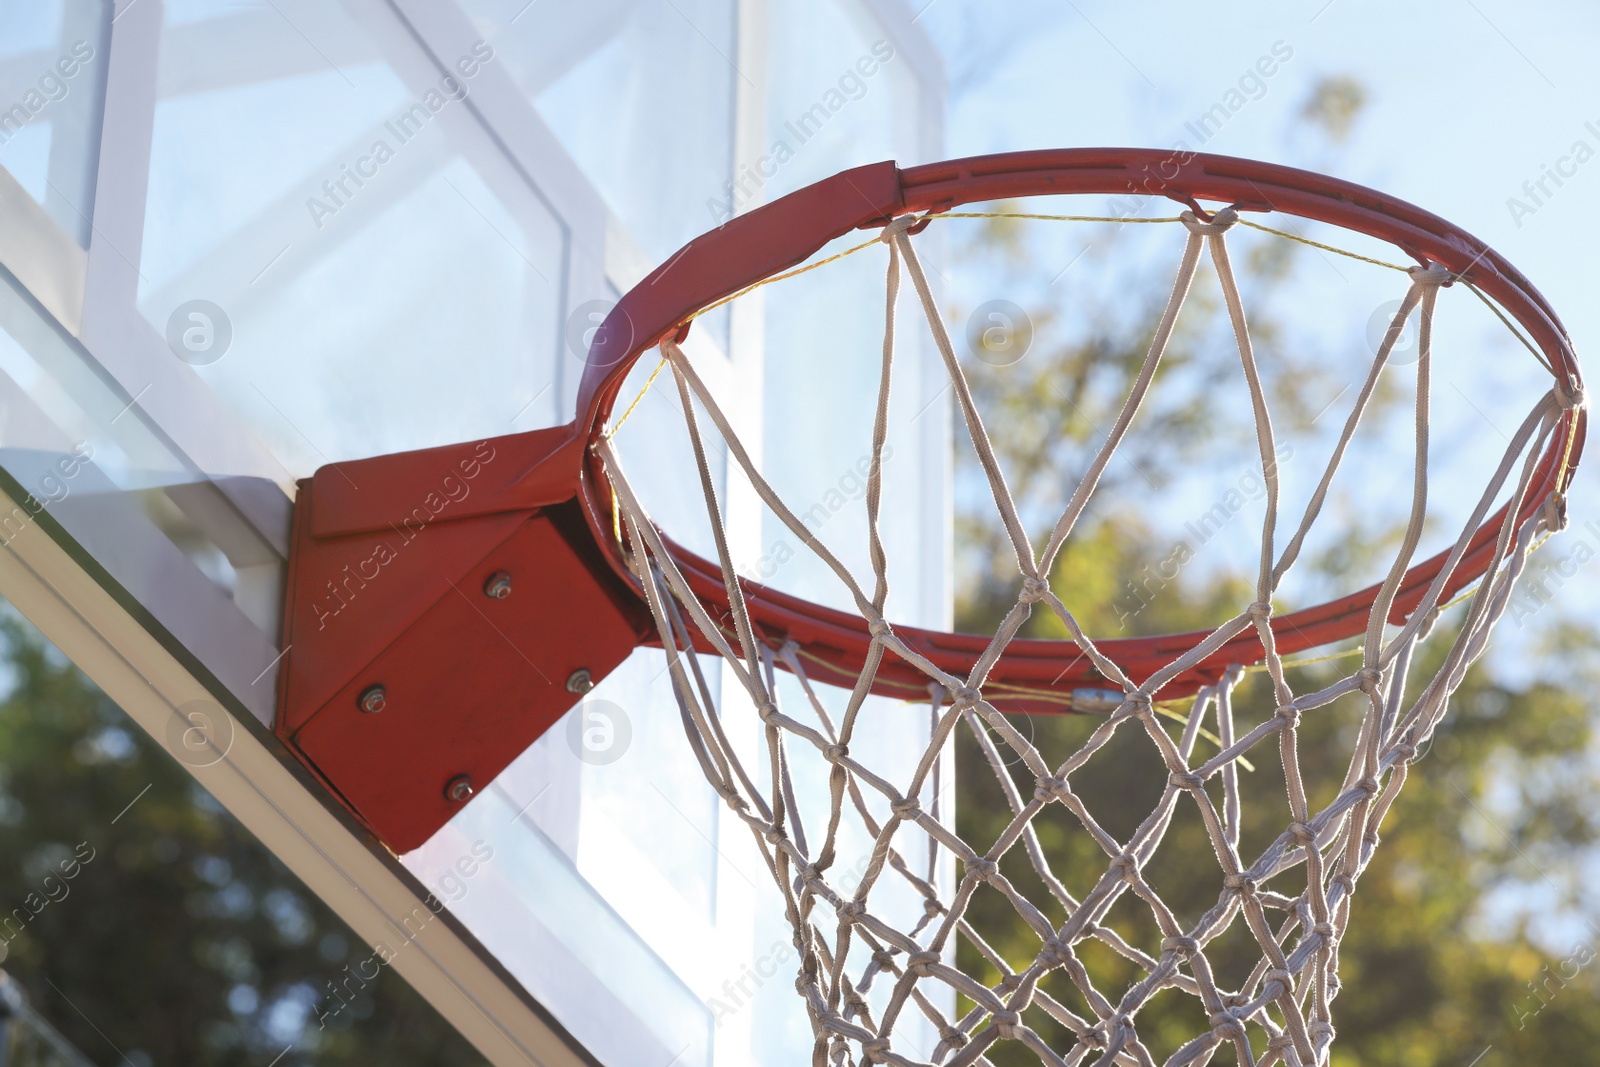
x=1465, y=102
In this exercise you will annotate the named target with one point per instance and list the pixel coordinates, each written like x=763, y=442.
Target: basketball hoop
x=570, y=515
x=1283, y=1013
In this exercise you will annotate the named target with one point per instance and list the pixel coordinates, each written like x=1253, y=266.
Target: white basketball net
x=1283, y=1013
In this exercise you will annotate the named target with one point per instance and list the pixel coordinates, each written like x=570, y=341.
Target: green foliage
x=1469, y=941
x=1333, y=105
x=166, y=930
x=1503, y=801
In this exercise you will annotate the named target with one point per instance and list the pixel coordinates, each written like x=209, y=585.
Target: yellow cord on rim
x=729, y=299
x=1286, y=235
x=609, y=434
x=1566, y=456
x=1047, y=218
x=864, y=245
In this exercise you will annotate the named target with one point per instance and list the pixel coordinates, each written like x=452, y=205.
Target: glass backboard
x=243, y=242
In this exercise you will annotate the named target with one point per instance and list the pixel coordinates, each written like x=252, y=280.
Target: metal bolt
x=579, y=681
x=460, y=788
x=498, y=586
x=373, y=699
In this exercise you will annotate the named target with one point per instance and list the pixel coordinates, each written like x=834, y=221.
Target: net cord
x=1288, y=996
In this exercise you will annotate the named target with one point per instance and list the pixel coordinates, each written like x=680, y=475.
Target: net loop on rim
x=1432, y=275
x=862, y=973
x=1219, y=223
x=1571, y=394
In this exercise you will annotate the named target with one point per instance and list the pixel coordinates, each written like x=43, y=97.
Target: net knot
x=1570, y=394
x=1143, y=708
x=1553, y=512
x=921, y=963
x=1323, y=930
x=883, y=958
x=1432, y=274
x=1344, y=881
x=1261, y=610
x=1240, y=883
x=1407, y=750
x=1321, y=1030
x=768, y=711
x=1048, y=787
x=1368, y=785
x=1095, y=1036
x=1055, y=952
x=851, y=910
x=1008, y=984
x=932, y=907
x=1221, y=222
x=967, y=697
x=876, y=1050
x=879, y=628
x=897, y=227
x=1280, y=1041
x=952, y=1037
x=1224, y=1024
x=1034, y=589
x=835, y=753
x=906, y=808
x=1130, y=866
x=984, y=869
x=1186, y=946
x=1289, y=715
x=1302, y=833
x=1369, y=678
x=1282, y=978
x=1186, y=780
x=1006, y=1023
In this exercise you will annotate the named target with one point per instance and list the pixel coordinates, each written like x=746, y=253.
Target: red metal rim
x=1040, y=675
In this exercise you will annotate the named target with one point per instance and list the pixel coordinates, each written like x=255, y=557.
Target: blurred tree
x=1443, y=961
x=1503, y=801
x=1333, y=105
x=146, y=924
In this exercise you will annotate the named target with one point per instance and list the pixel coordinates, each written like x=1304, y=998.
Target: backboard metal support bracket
x=429, y=627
